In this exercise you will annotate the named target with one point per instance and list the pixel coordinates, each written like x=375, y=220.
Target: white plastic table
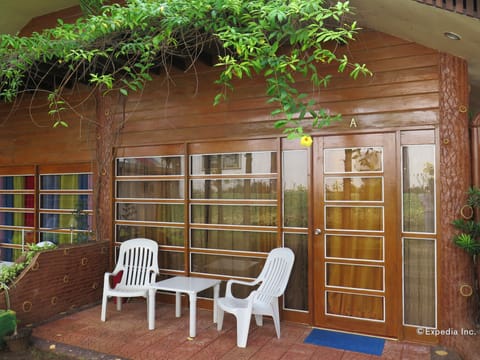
x=188, y=285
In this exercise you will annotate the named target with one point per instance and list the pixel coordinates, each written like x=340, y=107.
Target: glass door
x=356, y=278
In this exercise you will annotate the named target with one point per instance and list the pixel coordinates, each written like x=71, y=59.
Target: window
x=149, y=203
x=64, y=210
x=17, y=211
x=295, y=224
x=217, y=209
x=419, y=229
x=233, y=207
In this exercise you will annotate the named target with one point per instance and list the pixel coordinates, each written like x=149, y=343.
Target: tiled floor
x=125, y=336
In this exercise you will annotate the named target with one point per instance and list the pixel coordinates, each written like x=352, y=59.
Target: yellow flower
x=306, y=140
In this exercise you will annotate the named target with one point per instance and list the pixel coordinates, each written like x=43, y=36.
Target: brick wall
x=59, y=280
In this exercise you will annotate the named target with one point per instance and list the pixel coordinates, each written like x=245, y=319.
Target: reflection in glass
x=166, y=236
x=295, y=191
x=352, y=160
x=259, y=215
x=233, y=240
x=171, y=260
x=354, y=189
x=158, y=189
x=150, y=166
x=261, y=162
x=241, y=266
x=354, y=217
x=150, y=212
x=254, y=189
x=418, y=177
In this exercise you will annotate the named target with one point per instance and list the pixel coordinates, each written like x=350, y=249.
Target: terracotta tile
x=125, y=334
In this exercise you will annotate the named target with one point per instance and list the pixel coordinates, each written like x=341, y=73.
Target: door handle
x=317, y=231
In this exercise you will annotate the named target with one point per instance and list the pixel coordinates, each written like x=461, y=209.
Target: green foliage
x=469, y=238
x=115, y=47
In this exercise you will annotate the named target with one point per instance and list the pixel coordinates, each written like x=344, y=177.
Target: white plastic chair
x=273, y=280
x=138, y=260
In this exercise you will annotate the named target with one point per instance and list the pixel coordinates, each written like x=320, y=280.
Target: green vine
x=469, y=238
x=116, y=47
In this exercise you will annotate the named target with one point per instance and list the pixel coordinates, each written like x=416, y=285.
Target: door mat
x=351, y=342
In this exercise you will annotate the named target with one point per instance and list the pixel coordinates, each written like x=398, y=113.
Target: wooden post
x=105, y=141
x=455, y=311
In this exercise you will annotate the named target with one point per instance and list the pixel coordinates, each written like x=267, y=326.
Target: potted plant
x=8, y=317
x=469, y=239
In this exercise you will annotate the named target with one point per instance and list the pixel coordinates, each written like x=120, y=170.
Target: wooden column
x=454, y=266
x=105, y=141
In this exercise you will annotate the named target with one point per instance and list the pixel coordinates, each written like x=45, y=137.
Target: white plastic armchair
x=273, y=281
x=138, y=260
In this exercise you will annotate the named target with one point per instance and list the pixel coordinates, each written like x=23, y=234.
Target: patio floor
x=125, y=336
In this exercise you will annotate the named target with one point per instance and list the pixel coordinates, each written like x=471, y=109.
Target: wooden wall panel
x=403, y=92
x=28, y=136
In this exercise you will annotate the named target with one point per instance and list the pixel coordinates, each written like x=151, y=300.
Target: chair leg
x=220, y=314
x=119, y=303
x=259, y=319
x=103, y=315
x=276, y=318
x=243, y=326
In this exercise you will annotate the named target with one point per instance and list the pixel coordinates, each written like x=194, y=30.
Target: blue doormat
x=351, y=342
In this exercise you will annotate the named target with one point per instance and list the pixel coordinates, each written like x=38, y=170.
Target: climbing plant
x=115, y=47
x=469, y=238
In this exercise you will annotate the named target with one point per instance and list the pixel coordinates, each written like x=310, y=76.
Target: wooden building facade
x=367, y=208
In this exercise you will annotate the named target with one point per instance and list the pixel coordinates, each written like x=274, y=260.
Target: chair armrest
x=228, y=289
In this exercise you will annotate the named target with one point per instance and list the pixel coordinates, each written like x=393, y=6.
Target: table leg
x=216, y=293
x=193, y=314
x=151, y=309
x=178, y=304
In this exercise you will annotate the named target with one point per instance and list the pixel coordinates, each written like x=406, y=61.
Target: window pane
x=262, y=162
x=66, y=202
x=419, y=282
x=355, y=276
x=233, y=240
x=354, y=218
x=352, y=160
x=66, y=182
x=354, y=189
x=17, y=182
x=65, y=221
x=354, y=247
x=150, y=166
x=227, y=265
x=150, y=212
x=168, y=236
x=234, y=214
x=171, y=260
x=295, y=190
x=164, y=189
x=418, y=188
x=296, y=294
x=255, y=189
x=354, y=305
